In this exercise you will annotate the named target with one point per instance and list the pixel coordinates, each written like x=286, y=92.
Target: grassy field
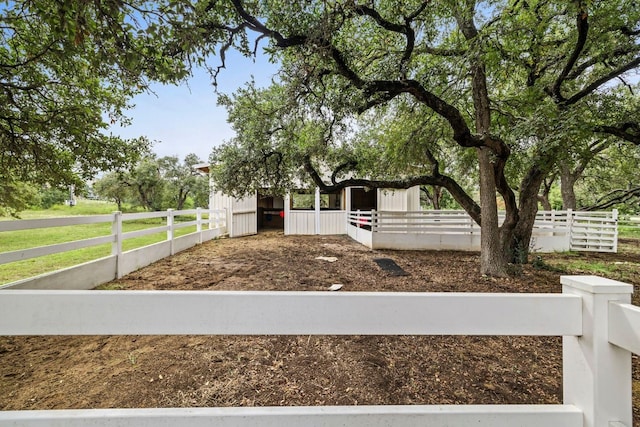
x=24, y=239
x=628, y=229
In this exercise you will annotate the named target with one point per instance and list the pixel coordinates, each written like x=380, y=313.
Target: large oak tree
x=505, y=79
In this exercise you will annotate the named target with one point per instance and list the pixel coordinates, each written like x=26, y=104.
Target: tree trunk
x=543, y=197
x=544, y=201
x=495, y=241
x=527, y=209
x=567, y=184
x=568, y=194
x=524, y=229
x=182, y=198
x=433, y=197
x=437, y=196
x=494, y=257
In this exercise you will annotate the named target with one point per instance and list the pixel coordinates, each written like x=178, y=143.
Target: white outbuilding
x=307, y=211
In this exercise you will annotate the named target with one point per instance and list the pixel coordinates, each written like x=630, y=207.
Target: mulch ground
x=154, y=371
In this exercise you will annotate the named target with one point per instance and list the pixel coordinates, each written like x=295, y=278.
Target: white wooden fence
x=594, y=231
x=600, y=329
x=455, y=230
x=119, y=263
x=306, y=222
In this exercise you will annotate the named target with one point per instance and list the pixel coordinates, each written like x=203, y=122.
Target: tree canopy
x=67, y=72
x=406, y=91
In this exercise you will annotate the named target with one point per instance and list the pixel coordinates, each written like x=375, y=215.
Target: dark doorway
x=270, y=212
x=364, y=199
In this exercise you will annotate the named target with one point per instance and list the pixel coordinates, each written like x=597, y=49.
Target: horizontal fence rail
x=326, y=416
x=25, y=254
x=358, y=218
x=29, y=224
x=286, y=313
x=624, y=326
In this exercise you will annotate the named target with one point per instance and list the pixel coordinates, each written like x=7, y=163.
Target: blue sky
x=186, y=119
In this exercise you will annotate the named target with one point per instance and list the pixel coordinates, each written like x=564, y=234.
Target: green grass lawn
x=23, y=239
x=630, y=230
x=84, y=207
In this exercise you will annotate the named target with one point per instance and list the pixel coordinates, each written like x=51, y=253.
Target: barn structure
x=307, y=211
x=393, y=219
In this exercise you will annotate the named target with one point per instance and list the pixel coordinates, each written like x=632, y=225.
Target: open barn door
x=270, y=212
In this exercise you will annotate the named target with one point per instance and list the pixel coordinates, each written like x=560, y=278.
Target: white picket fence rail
x=600, y=329
x=209, y=224
x=455, y=230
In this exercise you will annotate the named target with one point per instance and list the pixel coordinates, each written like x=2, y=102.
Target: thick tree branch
x=383, y=90
x=404, y=29
x=349, y=165
x=461, y=132
x=452, y=186
x=435, y=164
x=615, y=197
x=601, y=81
x=629, y=131
x=615, y=53
x=582, y=25
x=255, y=25
x=384, y=23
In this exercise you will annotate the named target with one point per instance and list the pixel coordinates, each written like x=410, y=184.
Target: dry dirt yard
x=154, y=371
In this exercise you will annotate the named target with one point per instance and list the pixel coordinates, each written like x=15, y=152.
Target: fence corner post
x=116, y=246
x=597, y=374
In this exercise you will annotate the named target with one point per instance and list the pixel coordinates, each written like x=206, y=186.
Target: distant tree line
x=157, y=184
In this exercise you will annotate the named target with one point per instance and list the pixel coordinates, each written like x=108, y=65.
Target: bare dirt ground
x=152, y=371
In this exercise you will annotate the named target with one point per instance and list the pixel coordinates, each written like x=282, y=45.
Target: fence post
x=199, y=224
x=225, y=221
x=287, y=216
x=615, y=234
x=597, y=374
x=170, y=230
x=116, y=246
x=570, y=226
x=317, y=210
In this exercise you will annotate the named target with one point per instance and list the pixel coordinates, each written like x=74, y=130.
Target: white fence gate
x=594, y=231
x=598, y=324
